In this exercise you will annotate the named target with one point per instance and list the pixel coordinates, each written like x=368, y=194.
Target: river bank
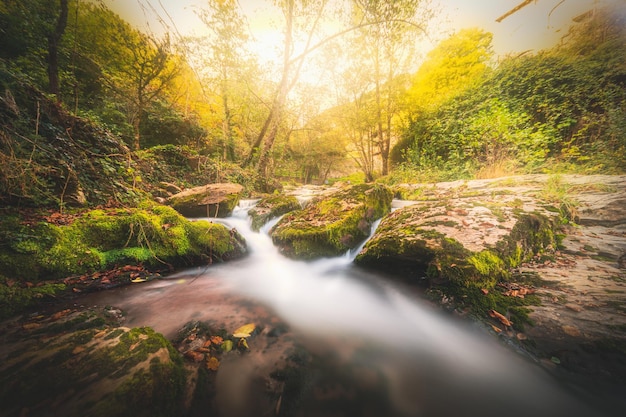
x=333, y=338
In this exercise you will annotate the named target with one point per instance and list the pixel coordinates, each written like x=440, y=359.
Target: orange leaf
x=60, y=314
x=216, y=340
x=213, y=363
x=503, y=320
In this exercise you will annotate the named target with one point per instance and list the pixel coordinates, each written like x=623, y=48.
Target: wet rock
x=458, y=240
x=211, y=200
x=271, y=207
x=90, y=368
x=333, y=224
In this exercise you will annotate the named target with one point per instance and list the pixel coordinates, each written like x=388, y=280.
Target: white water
x=432, y=364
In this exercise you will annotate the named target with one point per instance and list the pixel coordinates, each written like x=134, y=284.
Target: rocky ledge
x=539, y=258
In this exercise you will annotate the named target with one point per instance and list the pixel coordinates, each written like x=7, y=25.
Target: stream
x=380, y=349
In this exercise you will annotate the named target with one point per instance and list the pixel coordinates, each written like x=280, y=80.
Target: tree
x=54, y=37
x=226, y=62
x=386, y=39
x=305, y=18
x=452, y=66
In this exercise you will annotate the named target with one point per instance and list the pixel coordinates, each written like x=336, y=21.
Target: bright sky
x=538, y=25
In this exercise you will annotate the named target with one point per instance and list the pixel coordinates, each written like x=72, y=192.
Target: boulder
x=459, y=237
x=92, y=367
x=271, y=207
x=211, y=200
x=332, y=224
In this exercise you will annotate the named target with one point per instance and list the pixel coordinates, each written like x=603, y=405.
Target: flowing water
x=381, y=350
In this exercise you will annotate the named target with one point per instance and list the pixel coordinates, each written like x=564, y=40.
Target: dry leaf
x=194, y=356
x=216, y=340
x=245, y=330
x=60, y=314
x=213, y=363
x=31, y=326
x=503, y=320
x=242, y=344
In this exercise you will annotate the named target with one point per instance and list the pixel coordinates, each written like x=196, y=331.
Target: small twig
x=37, y=121
x=67, y=180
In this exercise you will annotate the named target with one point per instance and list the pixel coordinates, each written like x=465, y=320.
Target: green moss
x=333, y=224
x=15, y=299
x=154, y=389
x=271, y=207
x=101, y=239
x=97, y=240
x=488, y=266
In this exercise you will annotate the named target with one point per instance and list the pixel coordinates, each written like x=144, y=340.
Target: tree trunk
x=53, y=51
x=137, y=135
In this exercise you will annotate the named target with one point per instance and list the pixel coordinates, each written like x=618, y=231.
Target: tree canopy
x=379, y=106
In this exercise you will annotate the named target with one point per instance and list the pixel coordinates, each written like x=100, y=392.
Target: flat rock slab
x=211, y=200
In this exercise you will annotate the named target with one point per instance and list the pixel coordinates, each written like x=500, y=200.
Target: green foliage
x=561, y=109
x=450, y=67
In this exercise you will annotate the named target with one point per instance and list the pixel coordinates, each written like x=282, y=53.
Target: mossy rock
x=271, y=207
x=211, y=200
x=96, y=371
x=333, y=224
x=153, y=235
x=410, y=243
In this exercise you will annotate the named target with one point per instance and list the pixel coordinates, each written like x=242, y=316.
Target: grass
x=558, y=193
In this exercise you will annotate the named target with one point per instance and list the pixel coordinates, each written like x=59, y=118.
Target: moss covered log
x=271, y=207
x=333, y=224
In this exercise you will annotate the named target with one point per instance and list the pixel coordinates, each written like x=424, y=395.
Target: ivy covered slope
x=333, y=224
x=463, y=240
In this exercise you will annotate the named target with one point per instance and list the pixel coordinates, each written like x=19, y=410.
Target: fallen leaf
x=194, y=356
x=216, y=340
x=485, y=291
x=213, y=363
x=227, y=346
x=206, y=344
x=494, y=314
x=496, y=329
x=242, y=344
x=571, y=330
x=56, y=316
x=31, y=326
x=245, y=330
x=78, y=349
